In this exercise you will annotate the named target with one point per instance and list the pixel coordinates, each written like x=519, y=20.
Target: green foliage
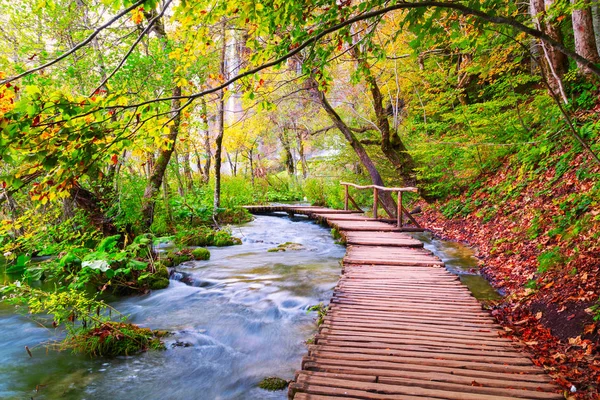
x=549, y=259
x=90, y=329
x=326, y=193
x=321, y=310
x=112, y=339
x=456, y=207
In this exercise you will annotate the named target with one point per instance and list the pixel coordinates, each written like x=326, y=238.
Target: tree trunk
x=232, y=164
x=360, y=151
x=288, y=158
x=160, y=166
x=207, y=149
x=303, y=164
x=220, y=125
x=556, y=63
x=391, y=145
x=187, y=171
x=596, y=22
x=88, y=202
x=251, y=158
x=585, y=40
x=177, y=170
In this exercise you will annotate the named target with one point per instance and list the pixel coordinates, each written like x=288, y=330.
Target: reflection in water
x=237, y=318
x=460, y=260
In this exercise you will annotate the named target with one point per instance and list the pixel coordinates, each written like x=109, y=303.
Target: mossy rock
x=273, y=383
x=201, y=254
x=287, y=246
x=160, y=283
x=181, y=258
x=153, y=281
x=161, y=270
x=111, y=339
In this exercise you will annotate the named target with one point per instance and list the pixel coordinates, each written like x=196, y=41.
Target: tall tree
x=220, y=121
x=555, y=62
x=363, y=156
x=583, y=32
x=160, y=165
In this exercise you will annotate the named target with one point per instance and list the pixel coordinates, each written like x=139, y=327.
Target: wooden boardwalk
x=400, y=326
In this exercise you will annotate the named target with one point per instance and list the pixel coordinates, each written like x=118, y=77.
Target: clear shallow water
x=460, y=260
x=242, y=315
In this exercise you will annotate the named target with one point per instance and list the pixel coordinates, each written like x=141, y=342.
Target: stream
x=236, y=319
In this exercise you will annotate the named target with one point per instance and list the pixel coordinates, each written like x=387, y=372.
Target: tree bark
x=207, y=149
x=160, y=166
x=596, y=21
x=187, y=171
x=288, y=157
x=556, y=62
x=220, y=125
x=88, y=202
x=360, y=151
x=391, y=145
x=585, y=40
x=300, y=144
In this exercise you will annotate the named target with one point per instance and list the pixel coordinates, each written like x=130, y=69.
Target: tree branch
x=78, y=46
x=133, y=46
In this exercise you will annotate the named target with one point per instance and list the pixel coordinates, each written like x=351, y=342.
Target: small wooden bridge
x=400, y=326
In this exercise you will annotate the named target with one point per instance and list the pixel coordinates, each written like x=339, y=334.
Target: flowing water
x=237, y=318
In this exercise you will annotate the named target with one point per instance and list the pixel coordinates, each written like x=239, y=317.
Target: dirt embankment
x=545, y=258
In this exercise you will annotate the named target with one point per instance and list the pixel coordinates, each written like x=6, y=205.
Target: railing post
x=346, y=198
x=399, y=212
x=375, y=202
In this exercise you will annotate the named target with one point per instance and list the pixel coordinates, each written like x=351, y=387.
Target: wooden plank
x=392, y=367
x=453, y=356
x=398, y=389
x=460, y=391
x=488, y=380
x=400, y=326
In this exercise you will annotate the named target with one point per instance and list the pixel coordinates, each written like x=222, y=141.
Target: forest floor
x=549, y=280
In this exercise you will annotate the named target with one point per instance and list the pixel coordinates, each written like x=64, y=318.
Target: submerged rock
x=273, y=383
x=287, y=246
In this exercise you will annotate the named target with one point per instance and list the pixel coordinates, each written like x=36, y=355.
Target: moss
x=161, y=270
x=336, y=234
x=273, y=383
x=287, y=246
x=201, y=253
x=155, y=280
x=160, y=283
x=204, y=236
x=111, y=339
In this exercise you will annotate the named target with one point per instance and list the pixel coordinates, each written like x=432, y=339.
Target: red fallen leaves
x=553, y=322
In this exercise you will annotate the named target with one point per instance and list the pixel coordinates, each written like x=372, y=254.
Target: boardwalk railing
x=400, y=212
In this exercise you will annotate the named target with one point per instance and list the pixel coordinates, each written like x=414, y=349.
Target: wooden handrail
x=382, y=188
x=401, y=211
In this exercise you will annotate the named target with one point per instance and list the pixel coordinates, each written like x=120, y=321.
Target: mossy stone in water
x=273, y=383
x=181, y=258
x=155, y=280
x=201, y=254
x=159, y=283
x=286, y=246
